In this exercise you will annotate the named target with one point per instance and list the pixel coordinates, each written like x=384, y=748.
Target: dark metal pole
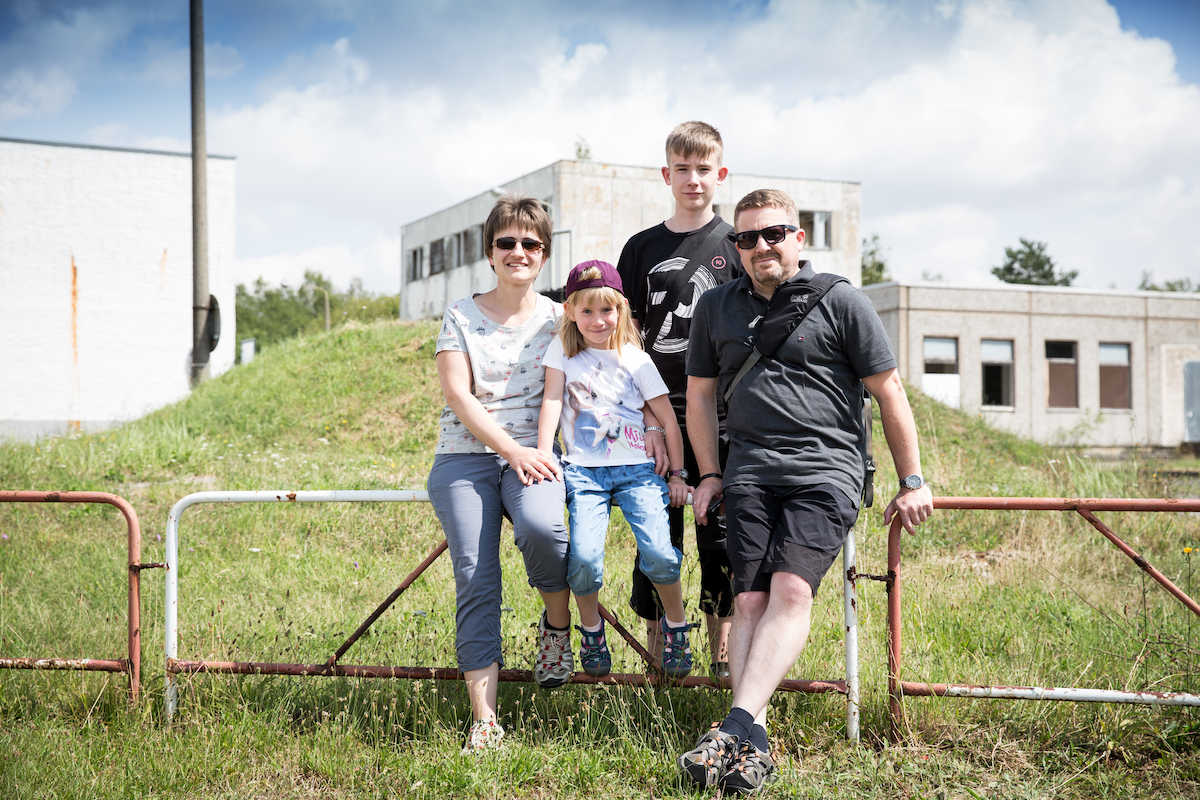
x=201, y=341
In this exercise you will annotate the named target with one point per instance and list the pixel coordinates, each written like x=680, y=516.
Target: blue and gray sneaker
x=594, y=657
x=677, y=651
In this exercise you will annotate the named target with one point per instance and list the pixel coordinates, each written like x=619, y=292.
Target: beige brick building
x=596, y=207
x=1056, y=364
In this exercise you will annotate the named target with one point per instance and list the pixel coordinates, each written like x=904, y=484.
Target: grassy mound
x=1002, y=598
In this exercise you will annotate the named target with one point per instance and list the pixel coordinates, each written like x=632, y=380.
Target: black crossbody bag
x=786, y=309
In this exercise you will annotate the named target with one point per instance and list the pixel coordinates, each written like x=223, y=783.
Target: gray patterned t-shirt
x=507, y=376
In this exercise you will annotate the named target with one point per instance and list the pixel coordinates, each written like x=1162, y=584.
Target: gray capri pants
x=471, y=492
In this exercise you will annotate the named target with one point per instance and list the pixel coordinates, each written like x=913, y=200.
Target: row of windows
x=1062, y=371
x=456, y=250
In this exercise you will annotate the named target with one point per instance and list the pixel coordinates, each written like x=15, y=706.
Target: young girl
x=598, y=363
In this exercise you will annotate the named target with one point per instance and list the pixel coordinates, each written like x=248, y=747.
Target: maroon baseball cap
x=608, y=277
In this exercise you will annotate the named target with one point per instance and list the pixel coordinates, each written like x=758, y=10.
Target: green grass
x=1008, y=598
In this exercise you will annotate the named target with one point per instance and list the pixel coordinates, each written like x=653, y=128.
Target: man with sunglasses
x=794, y=474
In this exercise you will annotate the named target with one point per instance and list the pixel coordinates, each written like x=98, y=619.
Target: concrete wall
x=96, y=269
x=596, y=208
x=1162, y=331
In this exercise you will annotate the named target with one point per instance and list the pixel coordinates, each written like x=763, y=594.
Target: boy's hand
x=677, y=491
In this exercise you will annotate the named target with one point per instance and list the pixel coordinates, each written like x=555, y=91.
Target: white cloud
x=969, y=123
x=29, y=94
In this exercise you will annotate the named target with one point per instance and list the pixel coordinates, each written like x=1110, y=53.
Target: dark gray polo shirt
x=795, y=419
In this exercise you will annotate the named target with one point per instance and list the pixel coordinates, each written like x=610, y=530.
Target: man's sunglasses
x=747, y=240
x=509, y=243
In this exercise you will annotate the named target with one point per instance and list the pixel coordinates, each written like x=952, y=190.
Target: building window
x=941, y=356
x=941, y=381
x=996, y=356
x=1062, y=384
x=416, y=264
x=1115, y=380
x=437, y=256
x=818, y=229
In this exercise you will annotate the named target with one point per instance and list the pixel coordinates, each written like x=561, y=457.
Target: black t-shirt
x=648, y=266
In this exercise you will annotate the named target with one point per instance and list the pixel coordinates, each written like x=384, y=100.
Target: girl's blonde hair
x=623, y=334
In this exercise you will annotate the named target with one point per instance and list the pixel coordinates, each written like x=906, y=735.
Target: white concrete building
x=595, y=208
x=96, y=277
x=1056, y=364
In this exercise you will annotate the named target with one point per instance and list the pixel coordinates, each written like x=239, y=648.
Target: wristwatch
x=912, y=482
x=678, y=473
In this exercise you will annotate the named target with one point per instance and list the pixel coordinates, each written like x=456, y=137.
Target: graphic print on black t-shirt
x=672, y=337
x=649, y=262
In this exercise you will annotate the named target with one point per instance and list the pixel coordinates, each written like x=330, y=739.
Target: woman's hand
x=677, y=491
x=532, y=465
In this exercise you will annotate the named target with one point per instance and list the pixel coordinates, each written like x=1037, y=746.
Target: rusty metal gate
x=133, y=664
x=1086, y=508
x=332, y=667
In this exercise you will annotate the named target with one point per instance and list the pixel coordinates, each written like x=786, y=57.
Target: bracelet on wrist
x=656, y=429
x=710, y=475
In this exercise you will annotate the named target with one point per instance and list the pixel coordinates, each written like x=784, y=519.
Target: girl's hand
x=656, y=448
x=677, y=491
x=533, y=466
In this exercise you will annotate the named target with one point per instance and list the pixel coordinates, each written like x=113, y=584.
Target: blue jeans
x=642, y=497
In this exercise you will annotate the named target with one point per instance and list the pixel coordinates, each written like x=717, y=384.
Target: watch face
x=680, y=473
x=913, y=482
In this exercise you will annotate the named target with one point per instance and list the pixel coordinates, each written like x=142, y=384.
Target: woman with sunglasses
x=487, y=465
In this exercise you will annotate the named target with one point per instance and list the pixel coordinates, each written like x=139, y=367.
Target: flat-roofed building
x=595, y=208
x=1060, y=365
x=96, y=270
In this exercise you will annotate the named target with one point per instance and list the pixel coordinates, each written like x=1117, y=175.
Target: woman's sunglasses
x=509, y=243
x=747, y=240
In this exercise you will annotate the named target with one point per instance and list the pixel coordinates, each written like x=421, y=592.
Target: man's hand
x=704, y=494
x=913, y=507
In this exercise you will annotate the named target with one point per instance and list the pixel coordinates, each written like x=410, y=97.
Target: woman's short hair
x=522, y=212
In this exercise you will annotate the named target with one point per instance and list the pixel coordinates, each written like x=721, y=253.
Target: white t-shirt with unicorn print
x=602, y=423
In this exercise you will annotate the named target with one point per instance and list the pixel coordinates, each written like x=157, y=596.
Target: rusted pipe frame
x=401, y=589
x=1145, y=565
x=133, y=665
x=177, y=667
x=1084, y=507
x=88, y=664
x=631, y=640
x=1061, y=693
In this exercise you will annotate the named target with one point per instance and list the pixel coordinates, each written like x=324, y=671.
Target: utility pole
x=201, y=338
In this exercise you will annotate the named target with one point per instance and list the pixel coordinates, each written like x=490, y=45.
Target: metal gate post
x=850, y=604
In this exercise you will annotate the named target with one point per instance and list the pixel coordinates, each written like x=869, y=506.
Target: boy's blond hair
x=623, y=334
x=695, y=139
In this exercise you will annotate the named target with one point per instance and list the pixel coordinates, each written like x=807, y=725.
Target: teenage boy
x=665, y=270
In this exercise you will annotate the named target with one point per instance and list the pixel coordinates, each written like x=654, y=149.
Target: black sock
x=546, y=620
x=758, y=738
x=738, y=723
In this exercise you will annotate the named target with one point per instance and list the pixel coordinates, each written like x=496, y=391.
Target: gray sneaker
x=705, y=763
x=555, y=661
x=749, y=771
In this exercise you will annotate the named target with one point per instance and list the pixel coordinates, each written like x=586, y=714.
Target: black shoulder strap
x=786, y=310
x=658, y=315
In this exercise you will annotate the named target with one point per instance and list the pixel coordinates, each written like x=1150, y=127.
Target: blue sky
x=970, y=123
